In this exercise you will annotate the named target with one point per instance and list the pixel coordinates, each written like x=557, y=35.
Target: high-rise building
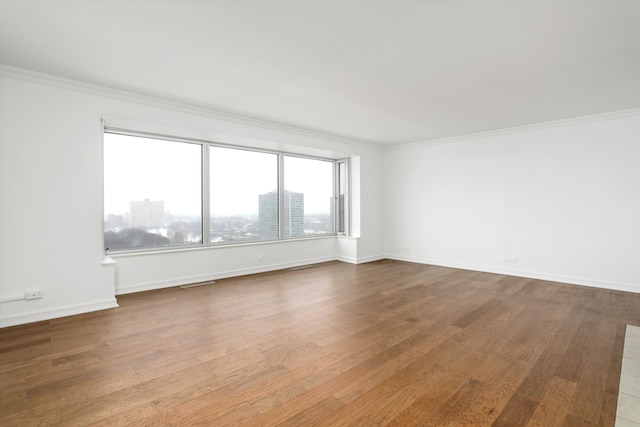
x=268, y=215
x=147, y=214
x=293, y=214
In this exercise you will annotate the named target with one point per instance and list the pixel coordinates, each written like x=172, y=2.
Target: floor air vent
x=195, y=285
x=301, y=267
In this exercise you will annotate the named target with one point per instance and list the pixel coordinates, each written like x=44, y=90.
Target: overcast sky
x=143, y=168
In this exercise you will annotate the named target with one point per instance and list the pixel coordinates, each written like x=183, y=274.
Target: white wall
x=51, y=197
x=561, y=199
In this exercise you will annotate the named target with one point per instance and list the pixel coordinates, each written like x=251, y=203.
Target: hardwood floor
x=384, y=343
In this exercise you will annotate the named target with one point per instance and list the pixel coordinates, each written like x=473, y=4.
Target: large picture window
x=157, y=191
x=242, y=185
x=152, y=193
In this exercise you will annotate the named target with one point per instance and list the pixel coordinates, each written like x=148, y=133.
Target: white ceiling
x=378, y=71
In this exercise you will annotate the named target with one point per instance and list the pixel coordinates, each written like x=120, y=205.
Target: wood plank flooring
x=384, y=343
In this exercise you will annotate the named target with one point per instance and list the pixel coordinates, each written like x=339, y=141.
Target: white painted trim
x=108, y=261
x=184, y=107
x=11, y=298
x=347, y=259
x=361, y=260
x=370, y=258
x=148, y=286
x=616, y=286
x=53, y=313
x=518, y=129
x=169, y=250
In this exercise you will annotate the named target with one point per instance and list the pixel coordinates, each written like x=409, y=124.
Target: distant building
x=116, y=222
x=293, y=214
x=268, y=215
x=147, y=214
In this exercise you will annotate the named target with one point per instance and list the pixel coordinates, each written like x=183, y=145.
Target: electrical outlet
x=510, y=260
x=33, y=294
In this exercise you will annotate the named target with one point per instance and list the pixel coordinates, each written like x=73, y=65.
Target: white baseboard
x=56, y=312
x=354, y=260
x=370, y=258
x=53, y=313
x=185, y=280
x=347, y=259
x=616, y=286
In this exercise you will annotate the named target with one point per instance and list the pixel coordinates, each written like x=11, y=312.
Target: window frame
x=282, y=190
x=346, y=203
x=127, y=132
x=205, y=193
x=209, y=145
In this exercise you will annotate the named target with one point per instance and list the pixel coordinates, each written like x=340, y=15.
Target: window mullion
x=342, y=197
x=206, y=203
x=347, y=197
x=336, y=197
x=149, y=224
x=281, y=192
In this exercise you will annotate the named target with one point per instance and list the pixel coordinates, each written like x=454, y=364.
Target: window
x=158, y=190
x=342, y=211
x=243, y=195
x=308, y=196
x=152, y=193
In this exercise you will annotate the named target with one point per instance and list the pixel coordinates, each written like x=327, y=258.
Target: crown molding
x=183, y=107
x=517, y=129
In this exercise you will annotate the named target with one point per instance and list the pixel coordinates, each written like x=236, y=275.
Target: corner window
x=308, y=196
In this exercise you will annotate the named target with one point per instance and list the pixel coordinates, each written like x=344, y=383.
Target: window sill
x=143, y=252
x=108, y=261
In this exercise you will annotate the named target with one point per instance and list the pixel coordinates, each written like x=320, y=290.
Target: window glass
x=154, y=198
x=152, y=193
x=341, y=225
x=243, y=195
x=308, y=197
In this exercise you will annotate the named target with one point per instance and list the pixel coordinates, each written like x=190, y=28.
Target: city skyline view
x=153, y=193
x=149, y=225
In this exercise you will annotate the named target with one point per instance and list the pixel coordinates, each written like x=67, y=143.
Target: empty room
x=331, y=213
